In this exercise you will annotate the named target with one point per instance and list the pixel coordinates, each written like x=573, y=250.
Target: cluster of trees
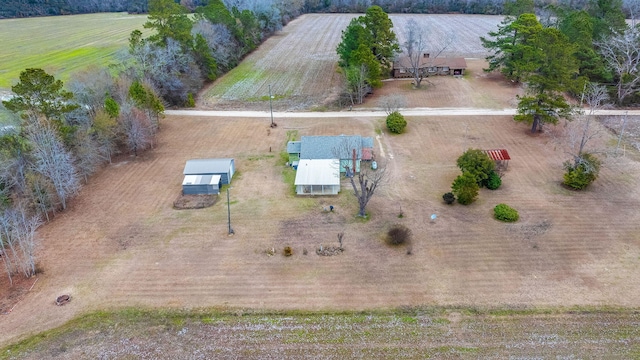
x=64, y=136
x=67, y=131
x=489, y=7
x=477, y=170
x=186, y=50
x=366, y=52
x=589, y=53
x=560, y=56
x=22, y=8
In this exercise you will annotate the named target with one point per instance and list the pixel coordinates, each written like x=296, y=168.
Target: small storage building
x=201, y=184
x=223, y=167
x=318, y=177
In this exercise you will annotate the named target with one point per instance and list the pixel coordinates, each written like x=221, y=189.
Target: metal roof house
x=201, y=184
x=223, y=167
x=332, y=147
x=318, y=177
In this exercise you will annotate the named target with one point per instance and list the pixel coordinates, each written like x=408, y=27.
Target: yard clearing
x=122, y=244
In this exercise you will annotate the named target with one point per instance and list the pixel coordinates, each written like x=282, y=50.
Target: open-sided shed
x=201, y=184
x=223, y=167
x=318, y=177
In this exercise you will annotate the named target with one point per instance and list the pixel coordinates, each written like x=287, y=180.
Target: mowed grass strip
x=63, y=44
x=432, y=332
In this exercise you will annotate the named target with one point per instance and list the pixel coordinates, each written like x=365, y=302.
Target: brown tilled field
x=300, y=62
x=122, y=244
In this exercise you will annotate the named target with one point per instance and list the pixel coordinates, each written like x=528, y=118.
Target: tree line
x=67, y=132
x=30, y=8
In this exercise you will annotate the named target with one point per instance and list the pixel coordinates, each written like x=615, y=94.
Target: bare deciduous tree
x=392, y=103
x=364, y=185
x=417, y=58
x=577, y=133
x=137, y=127
x=52, y=160
x=357, y=85
x=364, y=182
x=18, y=241
x=621, y=53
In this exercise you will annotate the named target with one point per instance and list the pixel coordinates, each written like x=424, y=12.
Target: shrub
x=396, y=122
x=504, y=212
x=477, y=163
x=288, y=251
x=582, y=172
x=191, y=102
x=449, y=198
x=399, y=234
x=493, y=181
x=465, y=188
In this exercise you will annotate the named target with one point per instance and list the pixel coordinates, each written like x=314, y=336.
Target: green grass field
x=422, y=333
x=62, y=45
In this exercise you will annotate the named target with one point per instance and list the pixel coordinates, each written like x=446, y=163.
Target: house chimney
x=426, y=55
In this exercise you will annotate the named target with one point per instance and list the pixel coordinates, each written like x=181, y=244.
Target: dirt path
x=366, y=113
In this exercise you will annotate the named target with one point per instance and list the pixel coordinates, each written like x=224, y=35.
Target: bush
x=396, y=122
x=504, y=212
x=449, y=198
x=399, y=234
x=191, y=102
x=288, y=251
x=493, y=181
x=582, y=172
x=477, y=163
x=465, y=188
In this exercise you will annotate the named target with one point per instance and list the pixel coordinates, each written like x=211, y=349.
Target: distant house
x=333, y=147
x=225, y=168
x=201, y=184
x=429, y=66
x=318, y=177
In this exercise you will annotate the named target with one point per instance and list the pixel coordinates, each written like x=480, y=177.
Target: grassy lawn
x=386, y=334
x=62, y=45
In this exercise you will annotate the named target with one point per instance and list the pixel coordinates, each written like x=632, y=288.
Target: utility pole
x=229, y=213
x=624, y=123
x=270, y=106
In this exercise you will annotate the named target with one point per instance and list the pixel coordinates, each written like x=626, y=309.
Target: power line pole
x=229, y=213
x=270, y=106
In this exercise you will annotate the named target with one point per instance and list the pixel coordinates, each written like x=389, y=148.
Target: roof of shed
x=293, y=147
x=498, y=154
x=207, y=166
x=201, y=179
x=329, y=147
x=318, y=172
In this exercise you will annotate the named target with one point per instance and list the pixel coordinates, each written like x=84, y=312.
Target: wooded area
x=29, y=8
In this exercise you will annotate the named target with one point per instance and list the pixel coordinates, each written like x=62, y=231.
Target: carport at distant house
x=318, y=177
x=223, y=167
